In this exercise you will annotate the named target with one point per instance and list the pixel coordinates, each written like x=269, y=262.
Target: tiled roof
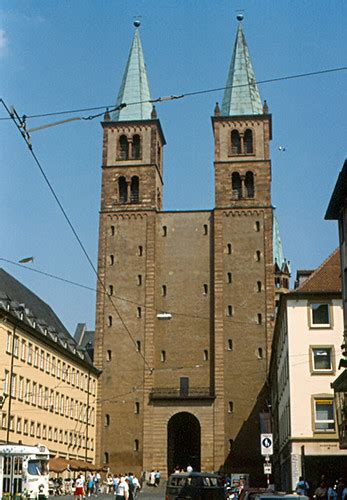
x=24, y=305
x=326, y=278
x=241, y=96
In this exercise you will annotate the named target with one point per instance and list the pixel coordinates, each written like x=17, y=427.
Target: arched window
x=106, y=457
x=134, y=189
x=249, y=184
x=236, y=186
x=123, y=148
x=235, y=143
x=123, y=190
x=248, y=142
x=136, y=147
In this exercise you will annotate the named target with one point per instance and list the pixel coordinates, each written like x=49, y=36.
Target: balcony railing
x=175, y=393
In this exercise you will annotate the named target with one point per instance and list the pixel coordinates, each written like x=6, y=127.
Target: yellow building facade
x=47, y=382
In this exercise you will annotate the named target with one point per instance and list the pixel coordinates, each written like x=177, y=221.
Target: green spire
x=134, y=87
x=241, y=97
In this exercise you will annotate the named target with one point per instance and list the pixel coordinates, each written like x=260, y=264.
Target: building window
x=107, y=420
x=110, y=290
x=260, y=353
x=19, y=425
x=110, y=321
x=136, y=149
x=36, y=357
x=15, y=346
x=205, y=229
x=139, y=279
x=257, y=226
x=112, y=231
x=139, y=312
x=42, y=360
x=229, y=311
x=236, y=186
x=259, y=318
x=163, y=356
x=230, y=407
x=123, y=148
x=258, y=286
x=324, y=415
x=30, y=354
x=249, y=184
x=229, y=278
x=320, y=315
x=235, y=142
x=53, y=366
x=138, y=346
x=140, y=251
x=134, y=189
x=136, y=445
x=230, y=345
x=258, y=255
x=205, y=355
x=163, y=290
x=8, y=343
x=23, y=351
x=205, y=289
x=48, y=363
x=137, y=408
x=123, y=190
x=108, y=355
x=111, y=260
x=229, y=248
x=164, y=231
x=322, y=359
x=20, y=388
x=248, y=142
x=34, y=389
x=106, y=457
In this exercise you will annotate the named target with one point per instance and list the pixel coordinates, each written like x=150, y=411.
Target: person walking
x=321, y=492
x=301, y=487
x=157, y=478
x=79, y=490
x=122, y=492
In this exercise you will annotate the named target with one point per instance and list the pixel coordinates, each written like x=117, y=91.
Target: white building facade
x=304, y=363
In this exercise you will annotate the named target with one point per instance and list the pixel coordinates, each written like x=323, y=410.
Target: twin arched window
x=134, y=189
x=242, y=186
x=129, y=149
x=241, y=143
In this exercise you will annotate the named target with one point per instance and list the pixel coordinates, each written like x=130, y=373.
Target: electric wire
x=24, y=134
x=180, y=96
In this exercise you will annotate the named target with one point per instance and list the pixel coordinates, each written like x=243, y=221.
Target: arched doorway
x=183, y=442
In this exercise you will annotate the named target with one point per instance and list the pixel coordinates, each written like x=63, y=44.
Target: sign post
x=266, y=444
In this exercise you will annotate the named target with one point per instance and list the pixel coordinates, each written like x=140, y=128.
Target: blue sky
x=57, y=55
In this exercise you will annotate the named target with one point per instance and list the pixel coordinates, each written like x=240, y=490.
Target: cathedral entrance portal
x=183, y=442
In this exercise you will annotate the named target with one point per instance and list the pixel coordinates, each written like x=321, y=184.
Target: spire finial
x=137, y=22
x=240, y=16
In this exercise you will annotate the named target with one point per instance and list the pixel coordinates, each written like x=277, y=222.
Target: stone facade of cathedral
x=186, y=300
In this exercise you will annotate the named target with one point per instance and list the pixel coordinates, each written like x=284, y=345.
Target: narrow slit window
x=257, y=226
x=260, y=353
x=107, y=420
x=136, y=445
x=163, y=290
x=138, y=346
x=229, y=248
x=164, y=231
x=111, y=260
x=110, y=321
x=229, y=311
x=112, y=231
x=230, y=407
x=139, y=279
x=205, y=355
x=108, y=355
x=137, y=408
x=110, y=290
x=259, y=318
x=230, y=345
x=140, y=251
x=139, y=312
x=163, y=356
x=105, y=457
x=229, y=278
x=205, y=229
x=258, y=255
x=205, y=289
x=259, y=286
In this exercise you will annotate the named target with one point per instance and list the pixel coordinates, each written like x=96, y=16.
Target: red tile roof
x=326, y=278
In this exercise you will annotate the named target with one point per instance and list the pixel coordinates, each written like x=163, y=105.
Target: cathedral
x=186, y=299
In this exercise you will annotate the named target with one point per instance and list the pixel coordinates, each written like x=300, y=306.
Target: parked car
x=264, y=494
x=199, y=485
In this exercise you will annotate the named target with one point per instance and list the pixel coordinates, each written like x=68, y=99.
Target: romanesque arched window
x=136, y=150
x=134, y=189
x=249, y=184
x=123, y=190
x=123, y=148
x=248, y=142
x=236, y=186
x=235, y=143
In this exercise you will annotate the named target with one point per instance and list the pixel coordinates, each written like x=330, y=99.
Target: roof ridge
x=316, y=271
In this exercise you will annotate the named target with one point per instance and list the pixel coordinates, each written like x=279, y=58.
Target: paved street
x=147, y=494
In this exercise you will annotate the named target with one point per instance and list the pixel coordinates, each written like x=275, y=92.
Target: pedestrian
x=122, y=492
x=152, y=478
x=301, y=487
x=90, y=485
x=321, y=492
x=341, y=484
x=157, y=478
x=137, y=485
x=189, y=469
x=331, y=493
x=79, y=490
